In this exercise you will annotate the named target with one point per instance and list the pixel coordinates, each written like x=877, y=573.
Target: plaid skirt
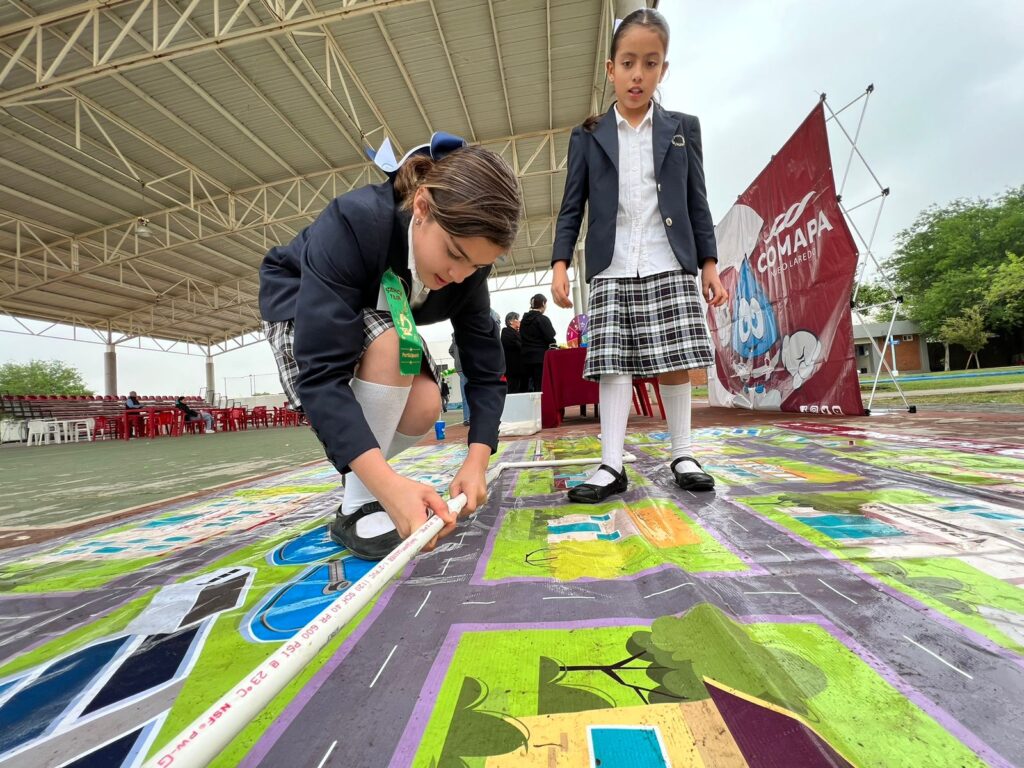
x=281, y=336
x=644, y=326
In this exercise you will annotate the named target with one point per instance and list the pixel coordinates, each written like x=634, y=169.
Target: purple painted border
x=409, y=743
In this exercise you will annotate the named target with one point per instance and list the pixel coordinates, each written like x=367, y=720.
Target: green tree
x=1004, y=295
x=968, y=331
x=944, y=261
x=872, y=294
x=41, y=377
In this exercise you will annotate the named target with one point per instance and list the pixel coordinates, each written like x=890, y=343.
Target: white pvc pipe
x=213, y=730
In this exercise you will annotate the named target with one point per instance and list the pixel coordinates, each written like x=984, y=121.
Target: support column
x=209, y=379
x=577, y=297
x=581, y=282
x=110, y=370
x=625, y=7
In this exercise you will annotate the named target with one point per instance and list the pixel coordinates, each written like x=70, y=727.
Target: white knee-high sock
x=382, y=408
x=616, y=391
x=377, y=523
x=676, y=398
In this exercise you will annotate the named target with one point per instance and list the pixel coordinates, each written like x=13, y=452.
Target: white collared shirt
x=417, y=291
x=641, y=245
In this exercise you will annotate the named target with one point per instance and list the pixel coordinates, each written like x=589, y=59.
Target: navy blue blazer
x=592, y=179
x=327, y=275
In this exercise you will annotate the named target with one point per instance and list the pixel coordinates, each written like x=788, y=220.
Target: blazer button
x=668, y=222
x=659, y=187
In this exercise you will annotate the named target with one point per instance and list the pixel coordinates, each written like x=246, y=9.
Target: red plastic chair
x=258, y=416
x=238, y=418
x=197, y=425
x=641, y=399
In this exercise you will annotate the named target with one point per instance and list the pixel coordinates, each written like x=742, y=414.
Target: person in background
x=537, y=335
x=513, y=347
x=453, y=350
x=132, y=401
x=194, y=415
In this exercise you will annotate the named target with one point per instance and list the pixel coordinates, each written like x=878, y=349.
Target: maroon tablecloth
x=563, y=384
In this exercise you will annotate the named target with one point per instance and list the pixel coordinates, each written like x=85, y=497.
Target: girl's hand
x=407, y=503
x=714, y=291
x=560, y=285
x=471, y=478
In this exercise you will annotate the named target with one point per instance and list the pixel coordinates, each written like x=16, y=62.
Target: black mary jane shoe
x=692, y=481
x=343, y=532
x=588, y=493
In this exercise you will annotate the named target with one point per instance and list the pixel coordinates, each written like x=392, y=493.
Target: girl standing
x=340, y=305
x=639, y=169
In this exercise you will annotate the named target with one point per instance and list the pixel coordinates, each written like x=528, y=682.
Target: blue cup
x=439, y=430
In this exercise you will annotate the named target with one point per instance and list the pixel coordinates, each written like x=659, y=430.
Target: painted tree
x=476, y=732
x=41, y=377
x=967, y=330
x=669, y=662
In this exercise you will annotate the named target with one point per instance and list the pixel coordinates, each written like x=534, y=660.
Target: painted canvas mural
x=843, y=599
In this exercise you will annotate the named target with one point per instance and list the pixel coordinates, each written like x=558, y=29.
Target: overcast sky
x=945, y=121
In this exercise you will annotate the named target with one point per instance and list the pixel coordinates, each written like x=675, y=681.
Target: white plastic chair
x=80, y=428
x=39, y=432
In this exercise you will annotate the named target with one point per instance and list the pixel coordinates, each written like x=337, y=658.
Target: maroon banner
x=784, y=340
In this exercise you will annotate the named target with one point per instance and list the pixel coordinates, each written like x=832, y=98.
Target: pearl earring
x=417, y=222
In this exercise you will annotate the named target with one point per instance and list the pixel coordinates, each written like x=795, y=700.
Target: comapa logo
x=785, y=239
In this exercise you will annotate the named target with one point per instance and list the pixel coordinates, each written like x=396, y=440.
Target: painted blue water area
x=308, y=548
x=155, y=662
x=850, y=527
x=7, y=685
x=733, y=469
x=29, y=712
x=109, y=550
x=165, y=521
x=963, y=508
x=626, y=748
x=289, y=609
x=997, y=515
x=574, y=528
x=613, y=536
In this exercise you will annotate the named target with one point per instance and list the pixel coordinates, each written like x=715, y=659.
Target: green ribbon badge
x=410, y=348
